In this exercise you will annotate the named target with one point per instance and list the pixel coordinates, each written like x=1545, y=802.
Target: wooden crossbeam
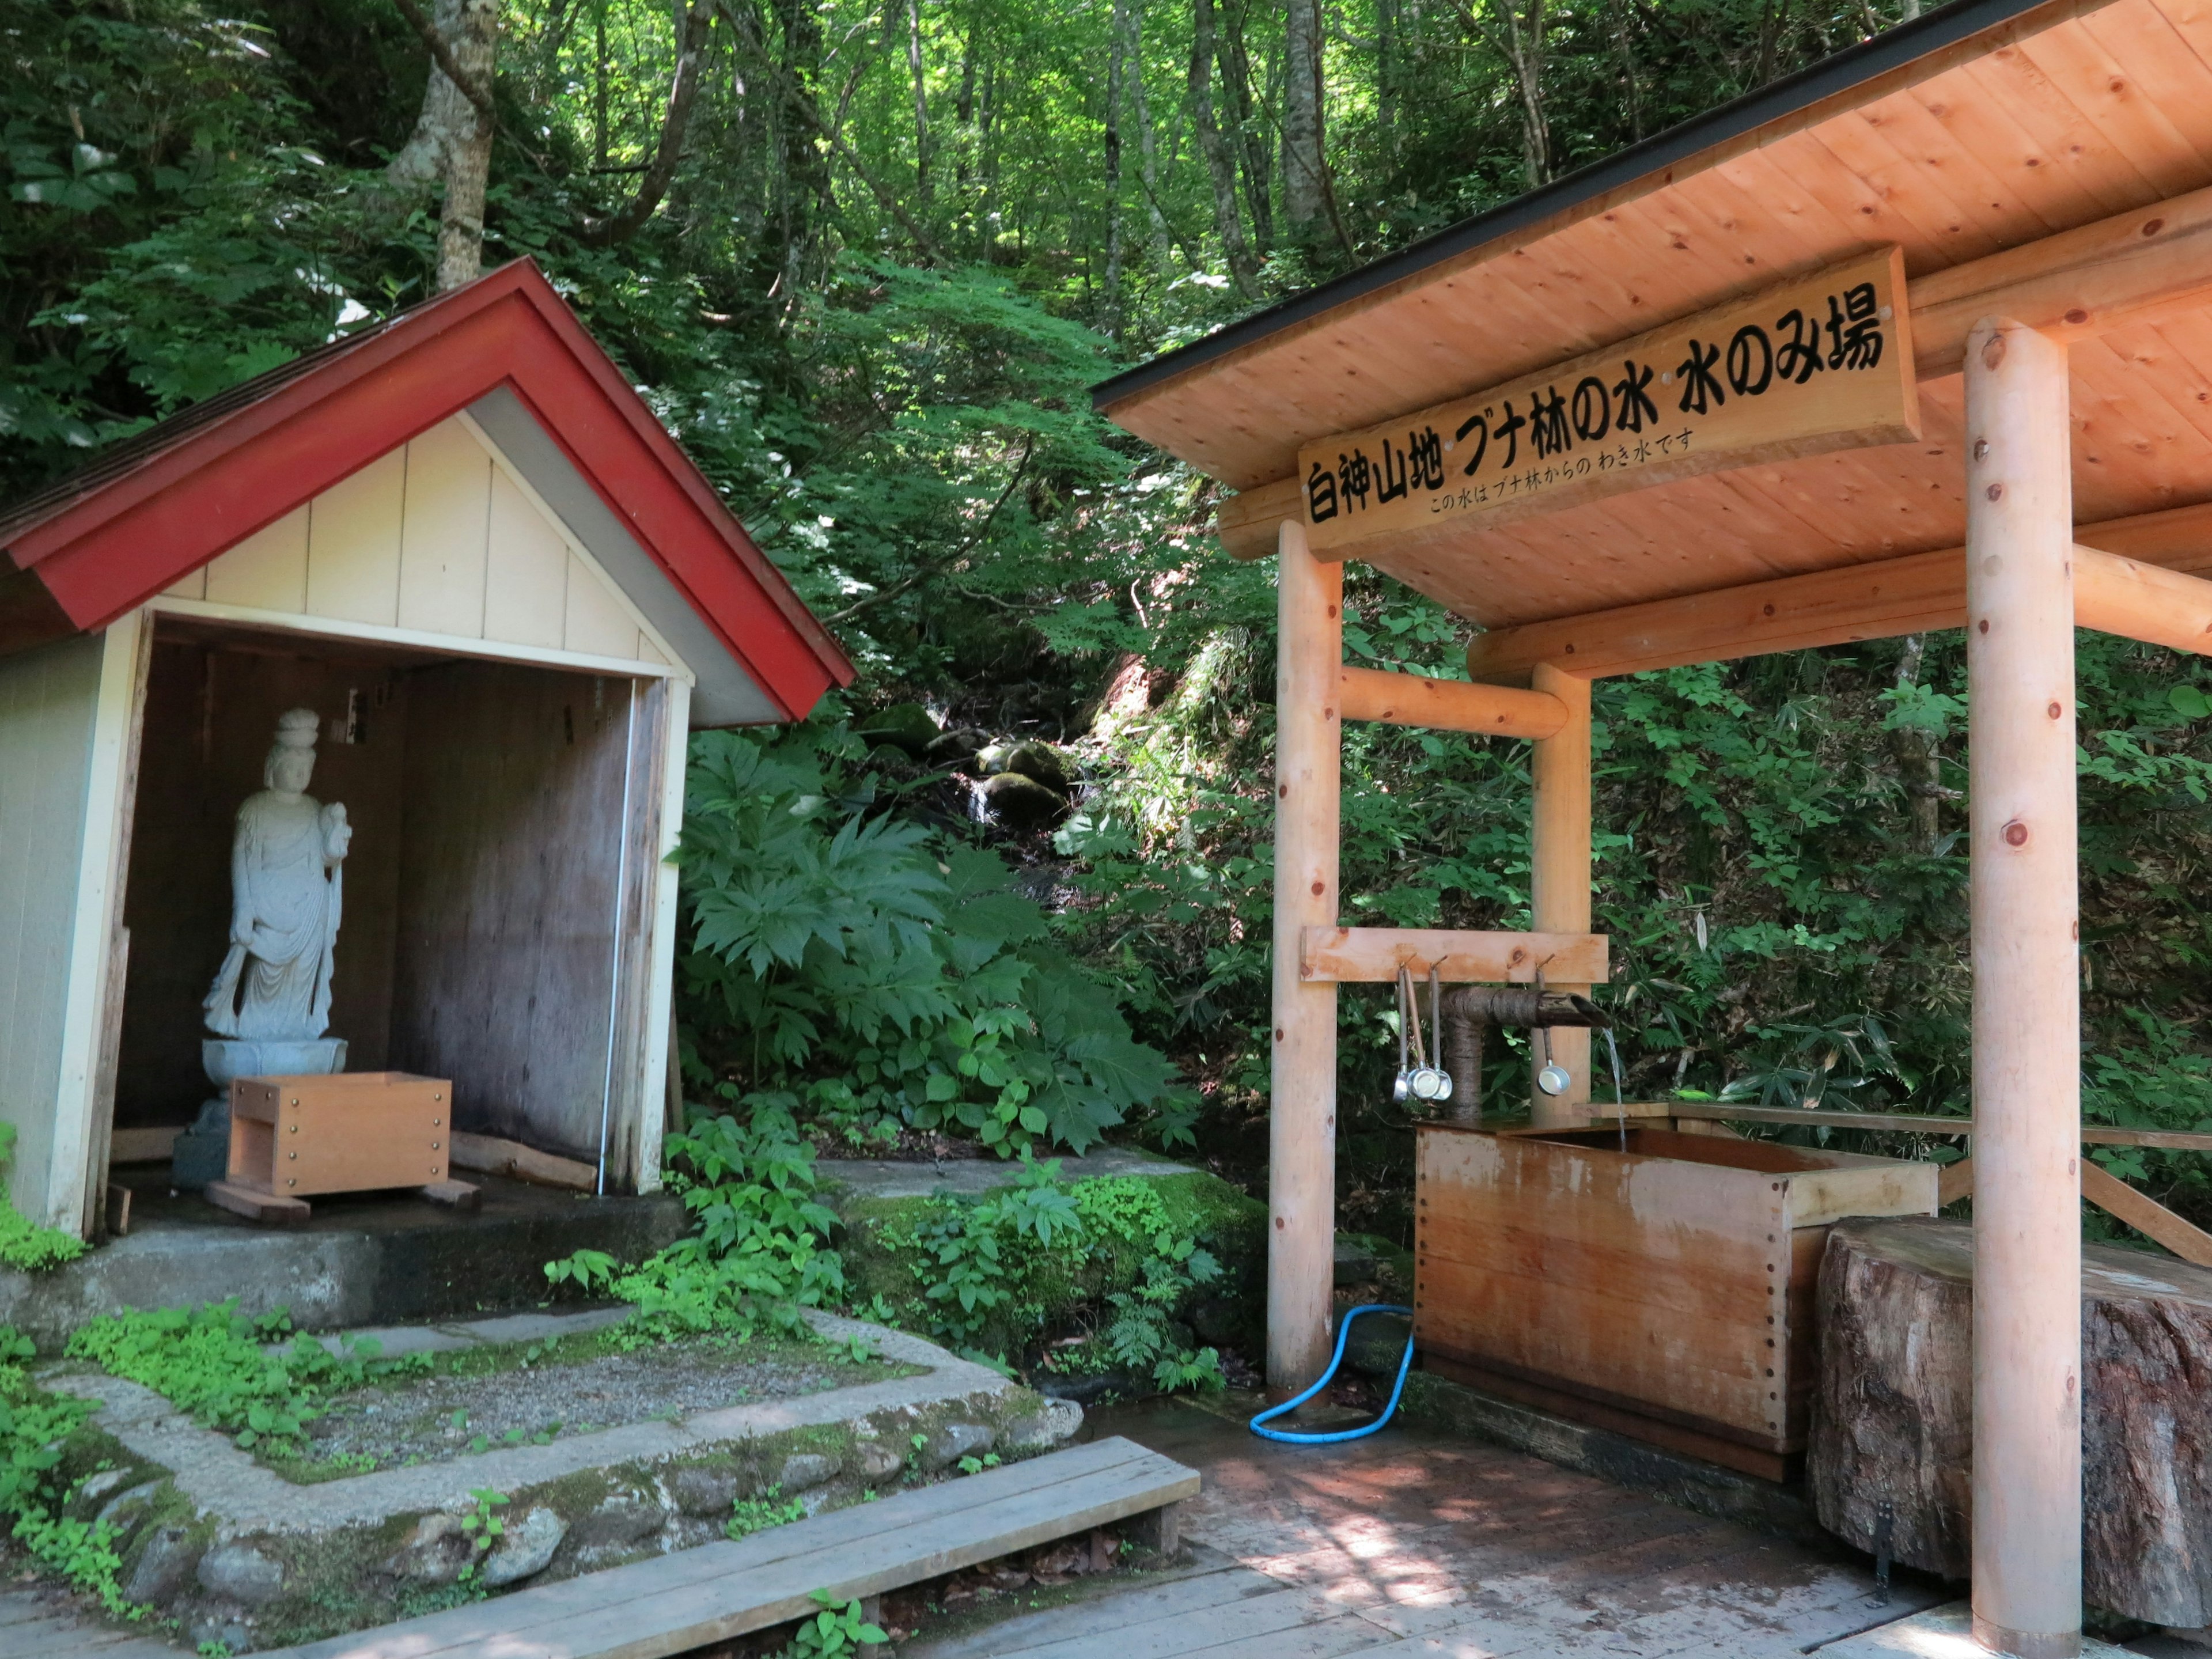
x=2132, y=577
x=1953, y=1183
x=2145, y=1214
x=2141, y=601
x=1374, y=955
x=1494, y=711
x=2092, y=1134
x=1911, y=595
x=2133, y=267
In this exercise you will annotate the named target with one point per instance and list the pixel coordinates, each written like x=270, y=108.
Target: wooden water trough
x=1651, y=1282
x=1920, y=338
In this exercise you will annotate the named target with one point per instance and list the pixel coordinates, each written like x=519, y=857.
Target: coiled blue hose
x=1343, y=1332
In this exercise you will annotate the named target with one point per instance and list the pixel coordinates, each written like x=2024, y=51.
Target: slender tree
x=1305, y=203
x=1221, y=165
x=452, y=135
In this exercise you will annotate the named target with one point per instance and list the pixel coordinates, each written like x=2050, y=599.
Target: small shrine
x=343, y=718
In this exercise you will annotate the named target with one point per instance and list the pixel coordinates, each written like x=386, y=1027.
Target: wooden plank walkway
x=1418, y=1545
x=41, y=1624
x=698, y=1596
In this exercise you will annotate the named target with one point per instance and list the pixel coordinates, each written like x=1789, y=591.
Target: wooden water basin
x=1656, y=1283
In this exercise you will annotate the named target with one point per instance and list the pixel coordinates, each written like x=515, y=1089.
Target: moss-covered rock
x=1021, y=802
x=906, y=725
x=1056, y=1293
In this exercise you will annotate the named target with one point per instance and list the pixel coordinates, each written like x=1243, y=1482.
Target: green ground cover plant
x=34, y=1426
x=23, y=1245
x=233, y=1372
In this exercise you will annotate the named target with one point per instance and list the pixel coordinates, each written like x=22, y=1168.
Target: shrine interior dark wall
x=211, y=709
x=477, y=937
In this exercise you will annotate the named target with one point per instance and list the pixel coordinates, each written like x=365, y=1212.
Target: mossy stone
x=906, y=725
x=1020, y=802
x=1039, y=761
x=1199, y=1206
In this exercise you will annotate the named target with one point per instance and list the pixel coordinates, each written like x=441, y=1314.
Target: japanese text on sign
x=1822, y=363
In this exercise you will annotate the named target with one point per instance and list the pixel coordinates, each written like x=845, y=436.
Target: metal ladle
x=1553, y=1078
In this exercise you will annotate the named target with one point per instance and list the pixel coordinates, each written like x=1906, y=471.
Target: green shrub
x=845, y=966
x=1102, y=1262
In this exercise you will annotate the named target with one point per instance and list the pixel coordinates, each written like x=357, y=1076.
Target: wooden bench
x=718, y=1591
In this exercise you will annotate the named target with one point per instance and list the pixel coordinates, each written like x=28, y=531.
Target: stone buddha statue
x=270, y=1002
x=287, y=887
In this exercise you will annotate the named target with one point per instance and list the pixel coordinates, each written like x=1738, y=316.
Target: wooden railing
x=2108, y=1192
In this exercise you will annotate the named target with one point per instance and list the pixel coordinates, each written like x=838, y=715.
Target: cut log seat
x=1892, y=1413
x=674, y=1603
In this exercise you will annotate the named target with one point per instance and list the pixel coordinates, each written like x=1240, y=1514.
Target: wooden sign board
x=1822, y=362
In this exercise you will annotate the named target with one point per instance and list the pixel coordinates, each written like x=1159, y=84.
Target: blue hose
x=1343, y=1331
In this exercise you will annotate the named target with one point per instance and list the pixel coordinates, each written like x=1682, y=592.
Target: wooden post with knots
x=2026, y=1016
x=1302, y=1116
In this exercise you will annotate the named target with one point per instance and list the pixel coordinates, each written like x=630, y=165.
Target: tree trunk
x=921, y=100
x=599, y=88
x=1148, y=165
x=452, y=139
x=1252, y=142
x=1116, y=33
x=1631, y=78
x=964, y=110
x=805, y=168
x=661, y=172
x=1892, y=1412
x=1220, y=166
x=1386, y=77
x=1918, y=767
x=1305, y=203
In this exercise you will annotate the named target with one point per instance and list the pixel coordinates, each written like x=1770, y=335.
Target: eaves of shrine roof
x=151, y=510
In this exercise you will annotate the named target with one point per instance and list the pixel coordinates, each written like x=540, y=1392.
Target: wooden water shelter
x=465, y=543
x=1920, y=338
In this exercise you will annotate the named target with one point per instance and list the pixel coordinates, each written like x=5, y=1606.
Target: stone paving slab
x=221, y=1478
x=452, y=1336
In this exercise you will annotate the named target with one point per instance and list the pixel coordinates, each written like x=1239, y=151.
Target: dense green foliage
x=870, y=976
x=897, y=244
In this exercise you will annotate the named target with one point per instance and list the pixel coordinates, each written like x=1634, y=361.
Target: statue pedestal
x=202, y=1151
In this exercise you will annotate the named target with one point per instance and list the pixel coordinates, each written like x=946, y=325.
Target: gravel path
x=416, y=1419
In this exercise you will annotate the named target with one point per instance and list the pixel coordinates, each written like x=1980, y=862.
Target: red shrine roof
x=155, y=507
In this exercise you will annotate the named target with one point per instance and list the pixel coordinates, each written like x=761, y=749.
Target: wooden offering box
x=1664, y=1290
x=353, y=1132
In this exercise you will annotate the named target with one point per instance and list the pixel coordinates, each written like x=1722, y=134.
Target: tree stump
x=1893, y=1415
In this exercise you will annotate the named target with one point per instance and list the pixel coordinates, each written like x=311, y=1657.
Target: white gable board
x=723, y=694
x=445, y=537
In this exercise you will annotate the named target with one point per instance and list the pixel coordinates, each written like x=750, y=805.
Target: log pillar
x=1560, y=879
x=2027, y=1066
x=1301, y=1111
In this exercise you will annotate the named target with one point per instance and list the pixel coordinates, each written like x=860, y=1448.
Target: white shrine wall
x=66, y=715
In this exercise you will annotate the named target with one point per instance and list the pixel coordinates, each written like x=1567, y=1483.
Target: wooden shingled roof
x=1969, y=139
